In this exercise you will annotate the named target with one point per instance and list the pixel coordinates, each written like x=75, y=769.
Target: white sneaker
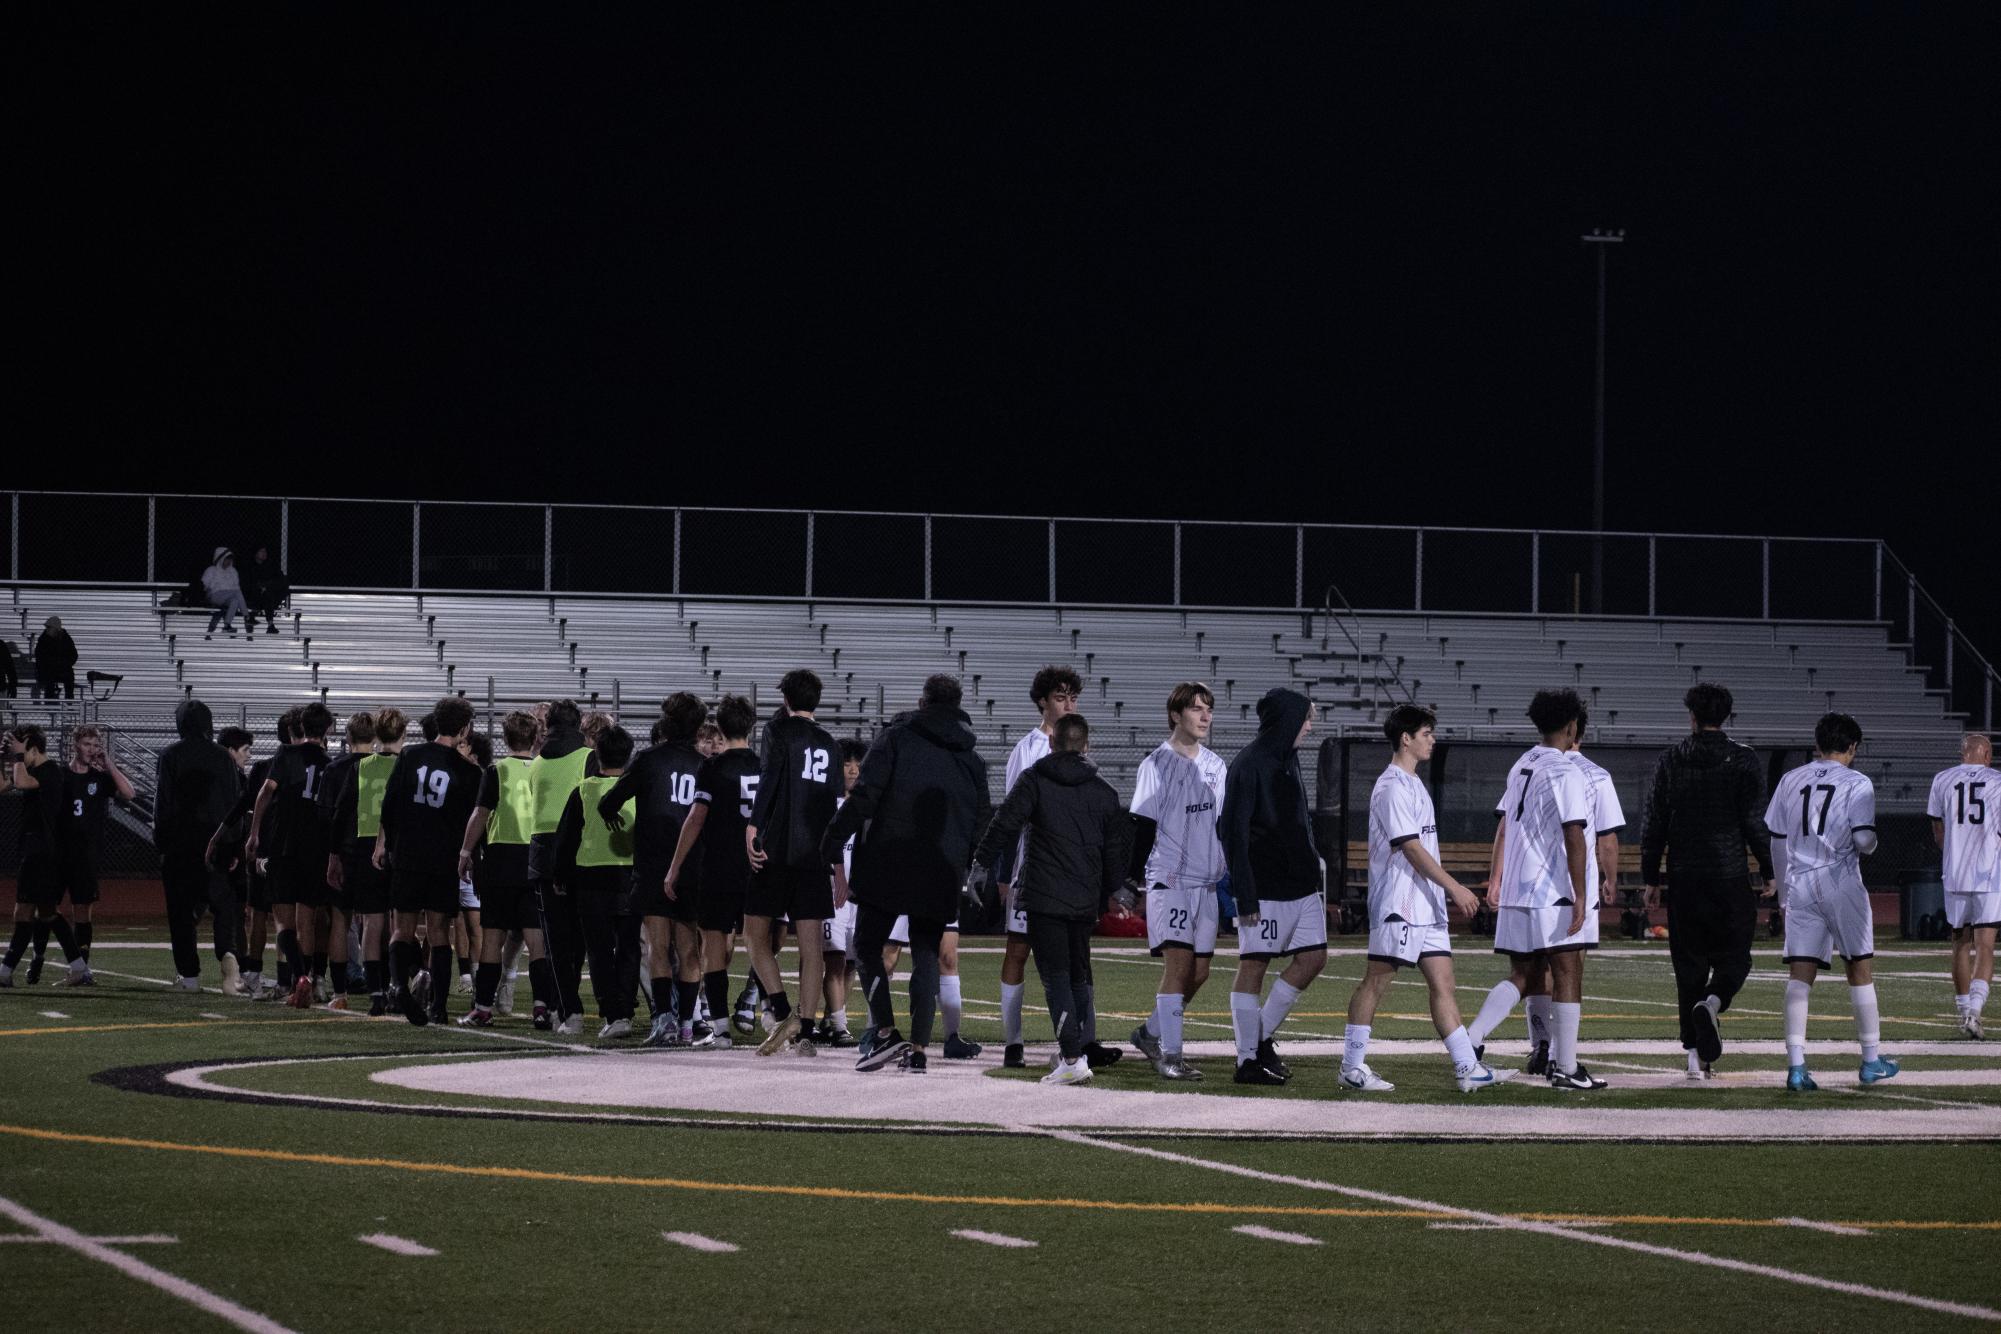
x=572, y=1026
x=465, y=984
x=232, y=976
x=503, y=997
x=79, y=976
x=1480, y=1076
x=616, y=1028
x=1969, y=1024
x=187, y=984
x=250, y=983
x=322, y=990
x=1364, y=1080
x=1069, y=1072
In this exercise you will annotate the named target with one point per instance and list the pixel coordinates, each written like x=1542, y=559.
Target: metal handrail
x=1381, y=660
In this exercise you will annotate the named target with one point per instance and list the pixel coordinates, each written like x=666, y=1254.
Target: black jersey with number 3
x=86, y=798
x=798, y=791
x=430, y=796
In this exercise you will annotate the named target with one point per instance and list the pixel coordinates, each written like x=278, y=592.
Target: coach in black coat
x=196, y=789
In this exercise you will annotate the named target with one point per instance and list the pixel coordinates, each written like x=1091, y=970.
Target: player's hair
x=682, y=714
x=708, y=731
x=390, y=725
x=801, y=689
x=596, y=724
x=315, y=720
x=361, y=730
x=85, y=732
x=519, y=730
x=428, y=725
x=1710, y=703
x=565, y=713
x=735, y=716
x=1052, y=679
x=1185, y=694
x=1836, y=732
x=229, y=738
x=853, y=748
x=658, y=732
x=1407, y=720
x=1072, y=733
x=481, y=746
x=941, y=691
x=451, y=716
x=288, y=726
x=31, y=737
x=614, y=747
x=1553, y=710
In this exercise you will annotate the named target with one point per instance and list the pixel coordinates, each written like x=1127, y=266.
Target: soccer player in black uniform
x=712, y=836
x=339, y=805
x=90, y=781
x=798, y=791
x=429, y=796
x=286, y=824
x=661, y=780
x=494, y=854
x=226, y=851
x=40, y=780
x=594, y=866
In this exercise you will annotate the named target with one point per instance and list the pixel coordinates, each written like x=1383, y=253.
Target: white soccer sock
x=1537, y=1013
x=1961, y=1002
x=1797, y=993
x=1563, y=1019
x=1976, y=997
x=1244, y=1023
x=1461, y=1048
x=1011, y=993
x=1166, y=1023
x=951, y=1001
x=1694, y=1064
x=1277, y=1006
x=1354, y=1046
x=1868, y=1023
x=1494, y=1010
x=839, y=1018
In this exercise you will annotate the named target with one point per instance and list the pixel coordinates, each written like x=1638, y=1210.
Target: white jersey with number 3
x=1964, y=800
x=1545, y=793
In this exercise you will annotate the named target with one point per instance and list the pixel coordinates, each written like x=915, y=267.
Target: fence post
x=548, y=546
x=1052, y=560
x=927, y=558
x=1652, y=553
x=1987, y=725
x=14, y=534
x=677, y=552
x=1535, y=572
x=1911, y=616
x=152, y=535
x=1950, y=635
x=285, y=534
x=416, y=544
x=1177, y=564
x=1417, y=598
x=1299, y=567
x=1879, y=579
x=1765, y=567
x=809, y=553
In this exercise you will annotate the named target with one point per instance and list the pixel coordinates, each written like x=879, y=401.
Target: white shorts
x=1285, y=927
x=1401, y=944
x=1542, y=930
x=1973, y=909
x=468, y=896
x=1185, y=917
x=1822, y=921
x=1017, y=916
x=899, y=931
x=838, y=932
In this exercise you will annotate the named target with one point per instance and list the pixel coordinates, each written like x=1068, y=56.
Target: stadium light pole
x=1599, y=239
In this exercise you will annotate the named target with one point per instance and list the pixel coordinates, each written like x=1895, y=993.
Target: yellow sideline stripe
x=914, y=1197
x=116, y=1028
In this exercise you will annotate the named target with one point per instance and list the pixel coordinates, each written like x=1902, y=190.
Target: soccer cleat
x=378, y=1005
x=571, y=1027
x=1252, y=1072
x=1480, y=1076
x=1268, y=1058
x=1173, y=1067
x=79, y=975
x=701, y=1033
x=476, y=1018
x=1875, y=1071
x=1538, y=1060
x=1701, y=1071
x=774, y=1041
x=322, y=990
x=1579, y=1079
x=1069, y=1072
x=338, y=1004
x=718, y=1041
x=35, y=963
x=889, y=1046
x=665, y=1032
x=1799, y=1081
x=232, y=976
x=1098, y=1055
x=1708, y=1039
x=503, y=997
x=302, y=994
x=1012, y=1058
x=416, y=1000
x=252, y=984
x=958, y=1049
x=914, y=1062
x=615, y=1028
x=836, y=1037
x=1147, y=1043
x=1969, y=1024
x=803, y=1045
x=465, y=984
x=187, y=984
x=1362, y=1079
x=545, y=1018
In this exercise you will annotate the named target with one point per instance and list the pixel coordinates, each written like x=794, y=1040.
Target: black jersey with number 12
x=798, y=791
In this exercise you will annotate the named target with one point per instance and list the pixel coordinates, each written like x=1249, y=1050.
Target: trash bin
x=1920, y=894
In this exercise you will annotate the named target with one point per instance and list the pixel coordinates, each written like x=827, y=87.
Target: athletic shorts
x=1401, y=944
x=1017, y=916
x=80, y=878
x=649, y=896
x=1963, y=910
x=1285, y=927
x=785, y=891
x=258, y=896
x=41, y=880
x=1185, y=917
x=719, y=905
x=837, y=933
x=1825, y=920
x=299, y=879
x=899, y=930
x=418, y=891
x=508, y=908
x=1541, y=931
x=468, y=896
x=365, y=888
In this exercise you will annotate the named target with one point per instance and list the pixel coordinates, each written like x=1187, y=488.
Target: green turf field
x=267, y=1142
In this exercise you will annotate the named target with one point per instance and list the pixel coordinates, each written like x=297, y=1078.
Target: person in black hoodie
x=1079, y=844
x=923, y=799
x=1275, y=879
x=1706, y=817
x=195, y=791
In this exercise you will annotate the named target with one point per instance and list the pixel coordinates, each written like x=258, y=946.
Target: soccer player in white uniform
x=1823, y=822
x=1179, y=792
x=1542, y=886
x=1408, y=889
x=1054, y=692
x=1962, y=808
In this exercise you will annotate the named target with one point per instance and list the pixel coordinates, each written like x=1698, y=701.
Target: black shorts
x=719, y=905
x=649, y=895
x=420, y=891
x=785, y=891
x=41, y=882
x=365, y=889
x=294, y=878
x=509, y=907
x=80, y=878
x=257, y=892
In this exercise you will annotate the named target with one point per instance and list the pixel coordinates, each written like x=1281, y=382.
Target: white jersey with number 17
x=1818, y=809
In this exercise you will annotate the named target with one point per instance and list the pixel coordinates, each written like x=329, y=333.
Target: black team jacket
x=1266, y=835
x=197, y=786
x=1079, y=837
x=1705, y=810
x=923, y=797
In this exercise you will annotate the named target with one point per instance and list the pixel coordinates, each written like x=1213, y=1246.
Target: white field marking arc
x=1563, y=1231
x=143, y=1239
x=396, y=1245
x=174, y=1286
x=994, y=1238
x=695, y=1241
x=1835, y=1229
x=1466, y=1227
x=1273, y=1234
x=54, y=1014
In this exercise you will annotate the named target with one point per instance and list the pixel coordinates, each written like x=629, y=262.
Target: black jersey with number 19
x=425, y=807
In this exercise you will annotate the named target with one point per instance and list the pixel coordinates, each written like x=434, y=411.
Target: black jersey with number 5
x=798, y=791
x=430, y=796
x=727, y=785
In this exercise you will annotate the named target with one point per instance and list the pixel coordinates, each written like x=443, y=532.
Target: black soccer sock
x=684, y=997
x=542, y=983
x=83, y=934
x=294, y=966
x=780, y=1006
x=22, y=932
x=339, y=975
x=403, y=958
x=377, y=974
x=40, y=945
x=718, y=985
x=253, y=963
x=441, y=969
x=662, y=992
x=466, y=964
x=485, y=982
x=59, y=928
x=319, y=964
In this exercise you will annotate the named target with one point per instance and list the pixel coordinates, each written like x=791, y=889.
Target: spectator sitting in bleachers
x=55, y=660
x=265, y=589
x=223, y=587
x=10, y=676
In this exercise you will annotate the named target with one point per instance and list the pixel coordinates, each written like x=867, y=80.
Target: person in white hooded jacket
x=224, y=589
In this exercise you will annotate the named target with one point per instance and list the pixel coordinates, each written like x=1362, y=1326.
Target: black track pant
x=192, y=888
x=872, y=926
x=612, y=938
x=564, y=934
x=1710, y=926
x=1062, y=950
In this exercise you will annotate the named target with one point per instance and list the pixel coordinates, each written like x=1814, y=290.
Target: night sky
x=1290, y=262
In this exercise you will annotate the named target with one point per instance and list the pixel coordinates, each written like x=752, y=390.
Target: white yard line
x=395, y=1245
x=1272, y=1234
x=1835, y=1228
x=144, y=1239
x=994, y=1238
x=54, y=1014
x=1566, y=1233
x=695, y=1241
x=70, y=1239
